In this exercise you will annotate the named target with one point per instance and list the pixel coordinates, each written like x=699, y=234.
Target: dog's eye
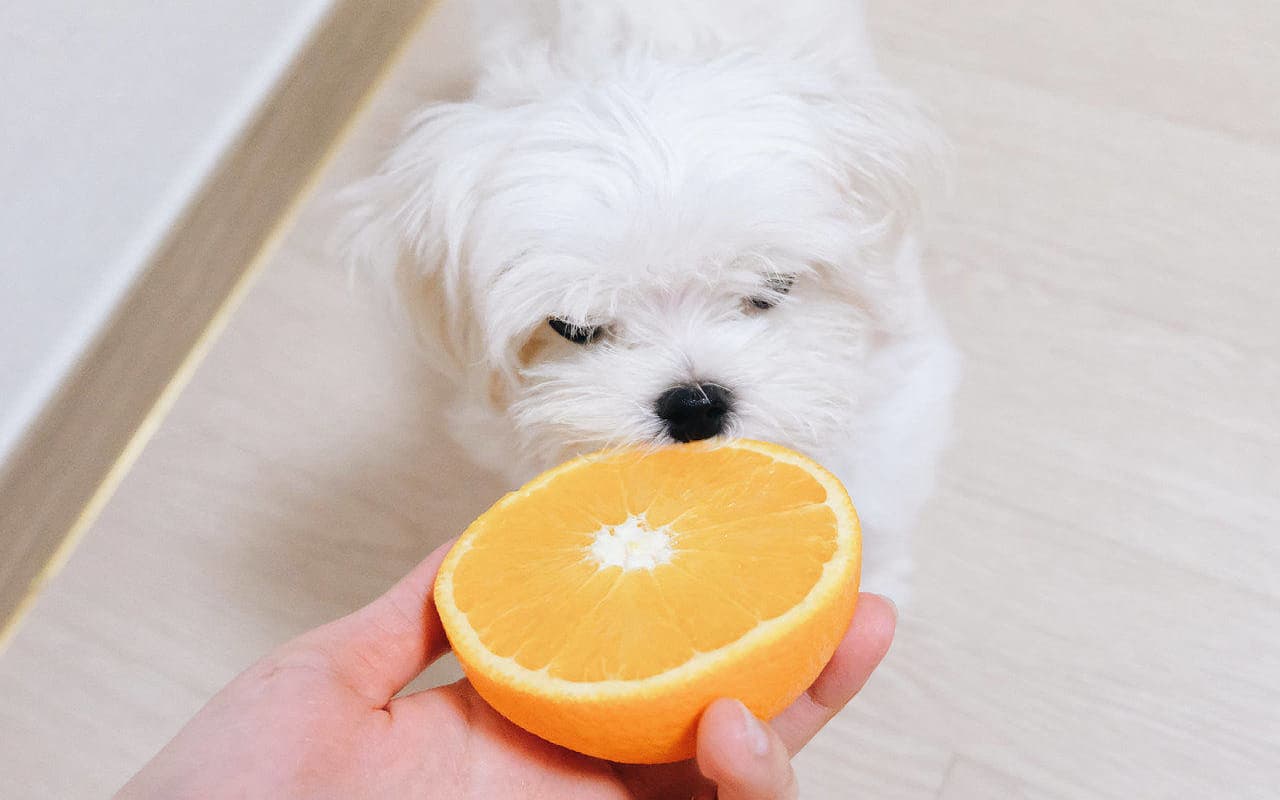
x=776, y=285
x=578, y=334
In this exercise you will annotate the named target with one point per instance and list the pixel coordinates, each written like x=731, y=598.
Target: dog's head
x=671, y=253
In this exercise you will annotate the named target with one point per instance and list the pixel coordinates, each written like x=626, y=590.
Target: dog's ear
x=407, y=227
x=890, y=159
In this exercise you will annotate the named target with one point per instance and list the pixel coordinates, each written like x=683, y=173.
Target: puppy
x=670, y=220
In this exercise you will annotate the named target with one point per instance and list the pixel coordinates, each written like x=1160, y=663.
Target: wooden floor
x=1098, y=606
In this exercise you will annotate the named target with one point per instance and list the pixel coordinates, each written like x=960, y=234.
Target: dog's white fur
x=648, y=166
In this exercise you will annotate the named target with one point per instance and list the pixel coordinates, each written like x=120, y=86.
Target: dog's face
x=765, y=348
x=703, y=255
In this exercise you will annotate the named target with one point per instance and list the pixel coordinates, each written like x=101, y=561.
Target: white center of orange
x=631, y=545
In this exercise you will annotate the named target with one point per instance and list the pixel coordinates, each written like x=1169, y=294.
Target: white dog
x=666, y=220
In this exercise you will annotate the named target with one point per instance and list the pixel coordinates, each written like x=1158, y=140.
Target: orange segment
x=604, y=605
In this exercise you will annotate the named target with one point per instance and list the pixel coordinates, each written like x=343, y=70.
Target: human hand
x=318, y=718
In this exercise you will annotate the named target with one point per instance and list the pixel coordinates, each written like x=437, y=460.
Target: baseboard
x=66, y=466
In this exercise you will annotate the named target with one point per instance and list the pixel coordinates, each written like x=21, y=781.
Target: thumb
x=380, y=648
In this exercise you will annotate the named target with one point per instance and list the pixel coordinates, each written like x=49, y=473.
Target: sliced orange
x=605, y=604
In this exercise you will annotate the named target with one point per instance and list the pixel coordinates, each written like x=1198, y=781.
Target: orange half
x=606, y=603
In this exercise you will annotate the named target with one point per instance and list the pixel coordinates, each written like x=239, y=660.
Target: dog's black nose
x=694, y=412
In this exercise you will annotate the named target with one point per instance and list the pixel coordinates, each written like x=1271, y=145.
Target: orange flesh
x=743, y=545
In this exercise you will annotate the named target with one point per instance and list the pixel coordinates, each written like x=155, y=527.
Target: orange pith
x=606, y=603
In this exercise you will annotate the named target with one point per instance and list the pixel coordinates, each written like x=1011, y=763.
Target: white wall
x=111, y=115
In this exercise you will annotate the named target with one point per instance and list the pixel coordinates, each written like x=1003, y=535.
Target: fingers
x=380, y=648
x=857, y=655
x=743, y=757
x=748, y=760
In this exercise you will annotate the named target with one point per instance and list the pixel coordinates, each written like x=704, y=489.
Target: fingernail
x=753, y=732
x=893, y=606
